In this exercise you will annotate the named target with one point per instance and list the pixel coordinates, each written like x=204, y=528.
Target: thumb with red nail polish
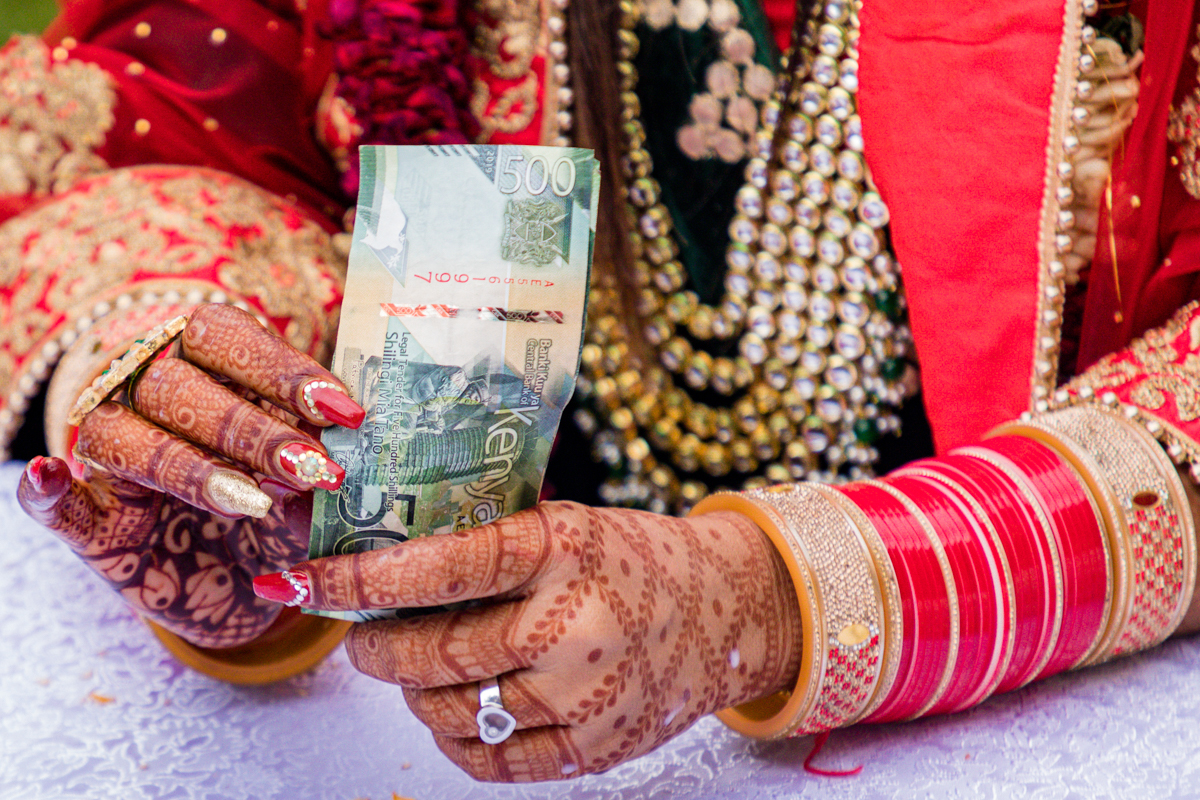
x=34, y=471
x=45, y=481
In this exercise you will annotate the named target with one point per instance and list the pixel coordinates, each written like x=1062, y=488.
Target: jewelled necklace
x=811, y=292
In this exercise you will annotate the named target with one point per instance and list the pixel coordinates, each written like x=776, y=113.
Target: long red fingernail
x=289, y=588
x=326, y=400
x=311, y=466
x=34, y=471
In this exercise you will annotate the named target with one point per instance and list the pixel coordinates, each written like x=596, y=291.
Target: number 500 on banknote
x=460, y=335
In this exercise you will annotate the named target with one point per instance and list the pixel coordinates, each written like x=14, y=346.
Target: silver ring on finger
x=495, y=723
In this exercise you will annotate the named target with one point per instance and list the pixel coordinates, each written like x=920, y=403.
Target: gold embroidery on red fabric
x=1183, y=128
x=53, y=115
x=510, y=45
x=1154, y=360
x=63, y=260
x=511, y=112
x=1164, y=363
x=177, y=223
x=508, y=39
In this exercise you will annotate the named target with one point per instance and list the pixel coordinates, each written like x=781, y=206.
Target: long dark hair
x=592, y=29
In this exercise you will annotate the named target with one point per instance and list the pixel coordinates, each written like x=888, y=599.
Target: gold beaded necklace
x=812, y=298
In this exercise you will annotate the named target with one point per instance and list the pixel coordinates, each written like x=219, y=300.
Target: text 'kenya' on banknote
x=460, y=335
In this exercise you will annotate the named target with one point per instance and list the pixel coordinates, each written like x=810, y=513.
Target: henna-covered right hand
x=609, y=630
x=203, y=480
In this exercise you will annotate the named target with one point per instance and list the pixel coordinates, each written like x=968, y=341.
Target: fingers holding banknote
x=607, y=631
x=229, y=403
x=181, y=398
x=196, y=474
x=228, y=341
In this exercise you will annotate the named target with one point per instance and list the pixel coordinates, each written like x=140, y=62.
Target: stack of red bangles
x=1061, y=541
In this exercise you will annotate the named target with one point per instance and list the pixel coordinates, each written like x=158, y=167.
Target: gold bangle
x=844, y=657
x=136, y=357
x=1150, y=532
x=893, y=628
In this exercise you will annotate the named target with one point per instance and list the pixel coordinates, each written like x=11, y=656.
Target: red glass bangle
x=998, y=569
x=1035, y=592
x=1146, y=516
x=1079, y=531
x=1044, y=542
x=928, y=598
x=982, y=589
x=955, y=539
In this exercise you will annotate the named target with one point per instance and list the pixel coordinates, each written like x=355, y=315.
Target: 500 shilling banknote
x=460, y=335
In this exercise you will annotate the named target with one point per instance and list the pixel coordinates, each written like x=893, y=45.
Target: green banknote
x=460, y=335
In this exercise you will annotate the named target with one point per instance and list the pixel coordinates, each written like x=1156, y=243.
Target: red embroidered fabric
x=961, y=163
x=1159, y=376
x=1158, y=234
x=230, y=85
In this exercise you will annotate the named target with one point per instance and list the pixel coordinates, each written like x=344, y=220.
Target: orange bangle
x=849, y=608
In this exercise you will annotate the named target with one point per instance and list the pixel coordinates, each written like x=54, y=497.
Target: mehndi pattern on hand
x=610, y=630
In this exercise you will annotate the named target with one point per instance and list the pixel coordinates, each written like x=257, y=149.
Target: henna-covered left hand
x=195, y=485
x=610, y=631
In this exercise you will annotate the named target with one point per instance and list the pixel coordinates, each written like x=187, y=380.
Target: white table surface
x=92, y=707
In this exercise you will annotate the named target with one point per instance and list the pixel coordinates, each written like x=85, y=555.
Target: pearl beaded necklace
x=812, y=300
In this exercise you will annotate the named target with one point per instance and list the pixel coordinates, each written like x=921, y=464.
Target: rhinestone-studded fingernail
x=326, y=400
x=311, y=466
x=289, y=588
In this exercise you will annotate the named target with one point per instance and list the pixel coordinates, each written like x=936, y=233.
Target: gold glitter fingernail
x=236, y=495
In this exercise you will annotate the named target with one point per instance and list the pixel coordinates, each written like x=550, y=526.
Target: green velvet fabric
x=671, y=67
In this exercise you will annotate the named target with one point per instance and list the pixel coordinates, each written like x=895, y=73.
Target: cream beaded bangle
x=850, y=617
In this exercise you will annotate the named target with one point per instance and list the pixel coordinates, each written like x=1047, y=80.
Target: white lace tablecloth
x=91, y=707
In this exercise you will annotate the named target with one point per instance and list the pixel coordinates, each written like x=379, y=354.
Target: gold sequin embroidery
x=53, y=115
x=1183, y=128
x=507, y=39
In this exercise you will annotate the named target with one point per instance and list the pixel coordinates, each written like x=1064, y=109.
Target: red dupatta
x=232, y=86
x=959, y=105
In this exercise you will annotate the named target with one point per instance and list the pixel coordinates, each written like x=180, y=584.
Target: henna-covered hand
x=610, y=631
x=199, y=484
